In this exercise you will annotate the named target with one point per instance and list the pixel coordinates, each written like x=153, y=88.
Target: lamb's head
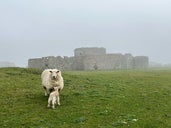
x=55, y=74
x=54, y=89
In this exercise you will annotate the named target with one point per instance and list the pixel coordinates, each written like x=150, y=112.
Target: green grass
x=90, y=99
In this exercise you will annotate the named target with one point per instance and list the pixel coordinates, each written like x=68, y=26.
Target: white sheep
x=54, y=97
x=51, y=78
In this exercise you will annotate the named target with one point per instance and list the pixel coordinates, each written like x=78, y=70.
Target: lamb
x=53, y=97
x=51, y=78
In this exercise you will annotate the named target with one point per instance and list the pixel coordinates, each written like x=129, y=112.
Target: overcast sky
x=38, y=28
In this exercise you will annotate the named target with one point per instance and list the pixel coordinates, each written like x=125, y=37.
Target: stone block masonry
x=92, y=58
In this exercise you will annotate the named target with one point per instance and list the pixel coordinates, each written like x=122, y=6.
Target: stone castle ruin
x=91, y=59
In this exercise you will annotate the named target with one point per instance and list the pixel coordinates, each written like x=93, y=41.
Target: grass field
x=90, y=99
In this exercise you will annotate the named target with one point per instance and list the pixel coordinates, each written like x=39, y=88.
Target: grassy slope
x=138, y=99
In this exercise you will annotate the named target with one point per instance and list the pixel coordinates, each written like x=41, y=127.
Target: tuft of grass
x=80, y=120
x=102, y=99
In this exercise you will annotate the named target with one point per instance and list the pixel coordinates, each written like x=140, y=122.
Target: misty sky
x=38, y=28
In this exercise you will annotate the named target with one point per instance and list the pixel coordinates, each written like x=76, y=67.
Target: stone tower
x=89, y=51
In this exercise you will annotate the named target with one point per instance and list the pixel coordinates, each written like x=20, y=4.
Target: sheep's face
x=55, y=73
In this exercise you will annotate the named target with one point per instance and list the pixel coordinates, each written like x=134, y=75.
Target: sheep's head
x=55, y=74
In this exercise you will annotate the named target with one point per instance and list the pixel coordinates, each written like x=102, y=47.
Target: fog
x=37, y=28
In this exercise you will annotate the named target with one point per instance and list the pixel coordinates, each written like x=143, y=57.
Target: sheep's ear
x=50, y=71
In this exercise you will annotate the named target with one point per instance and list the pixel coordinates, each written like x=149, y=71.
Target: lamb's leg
x=49, y=100
x=58, y=100
x=53, y=102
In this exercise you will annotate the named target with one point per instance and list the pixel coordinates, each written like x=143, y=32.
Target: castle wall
x=128, y=61
x=103, y=62
x=35, y=63
x=90, y=59
x=140, y=62
x=78, y=63
x=66, y=63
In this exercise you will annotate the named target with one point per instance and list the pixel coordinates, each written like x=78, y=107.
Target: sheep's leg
x=46, y=93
